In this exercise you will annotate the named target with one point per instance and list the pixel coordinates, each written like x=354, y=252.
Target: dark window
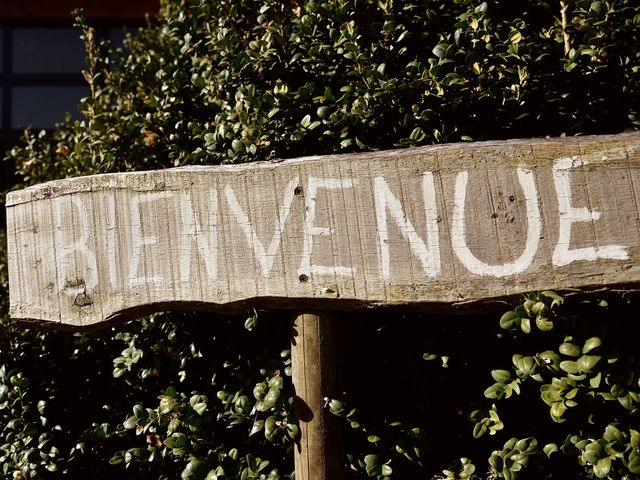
x=47, y=50
x=41, y=60
x=41, y=76
x=41, y=79
x=43, y=106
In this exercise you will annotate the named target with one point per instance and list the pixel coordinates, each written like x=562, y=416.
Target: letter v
x=265, y=257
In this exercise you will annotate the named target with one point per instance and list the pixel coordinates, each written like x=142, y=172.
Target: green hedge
x=247, y=80
x=204, y=396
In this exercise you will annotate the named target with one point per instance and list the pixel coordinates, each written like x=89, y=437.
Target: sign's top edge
x=79, y=184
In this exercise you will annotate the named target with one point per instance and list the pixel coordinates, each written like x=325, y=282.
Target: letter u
x=458, y=234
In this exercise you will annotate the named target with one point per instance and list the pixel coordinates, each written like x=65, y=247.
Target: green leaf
x=495, y=391
x=570, y=349
x=130, y=423
x=602, y=468
x=544, y=324
x=525, y=366
x=590, y=344
x=587, y=362
x=273, y=112
x=372, y=465
x=193, y=469
x=347, y=142
x=270, y=427
x=256, y=427
x=272, y=397
x=495, y=427
x=212, y=475
x=251, y=322
x=260, y=390
x=539, y=308
x=527, y=445
x=417, y=135
x=549, y=449
x=507, y=474
x=336, y=407
x=569, y=366
x=479, y=429
x=501, y=376
x=174, y=424
x=328, y=94
x=200, y=408
x=323, y=112
x=556, y=299
x=440, y=50
x=613, y=434
x=572, y=393
x=276, y=382
x=557, y=411
x=293, y=431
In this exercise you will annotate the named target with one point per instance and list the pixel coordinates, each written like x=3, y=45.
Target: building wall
x=42, y=56
x=47, y=11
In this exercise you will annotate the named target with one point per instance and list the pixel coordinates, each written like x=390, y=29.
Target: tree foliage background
x=549, y=391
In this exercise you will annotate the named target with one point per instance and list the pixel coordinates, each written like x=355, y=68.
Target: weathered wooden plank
x=434, y=225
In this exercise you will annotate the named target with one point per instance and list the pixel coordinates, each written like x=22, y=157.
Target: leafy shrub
x=200, y=396
x=587, y=368
x=164, y=397
x=247, y=80
x=561, y=381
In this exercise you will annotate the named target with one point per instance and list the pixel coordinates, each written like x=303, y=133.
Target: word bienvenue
x=201, y=228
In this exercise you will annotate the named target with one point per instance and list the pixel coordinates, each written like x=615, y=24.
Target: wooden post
x=316, y=376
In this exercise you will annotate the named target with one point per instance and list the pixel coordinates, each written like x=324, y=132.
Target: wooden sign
x=430, y=225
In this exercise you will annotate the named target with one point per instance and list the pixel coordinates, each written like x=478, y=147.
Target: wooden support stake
x=316, y=376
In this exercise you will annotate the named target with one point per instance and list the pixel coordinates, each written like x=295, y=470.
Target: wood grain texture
x=316, y=375
x=440, y=225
